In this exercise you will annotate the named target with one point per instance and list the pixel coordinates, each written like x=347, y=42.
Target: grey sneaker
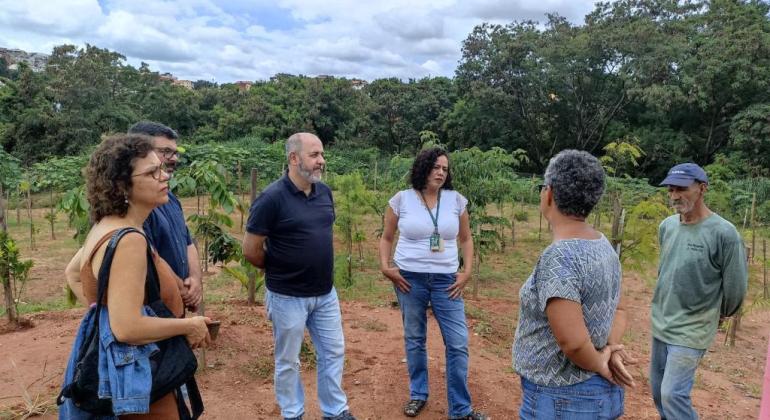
x=345, y=415
x=473, y=415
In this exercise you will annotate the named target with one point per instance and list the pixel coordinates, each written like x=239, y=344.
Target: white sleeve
x=395, y=203
x=462, y=202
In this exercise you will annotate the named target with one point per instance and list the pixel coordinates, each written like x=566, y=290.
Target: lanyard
x=438, y=203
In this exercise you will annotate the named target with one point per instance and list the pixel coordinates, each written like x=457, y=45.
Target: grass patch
x=371, y=325
x=370, y=287
x=261, y=367
x=484, y=329
x=307, y=354
x=57, y=304
x=473, y=312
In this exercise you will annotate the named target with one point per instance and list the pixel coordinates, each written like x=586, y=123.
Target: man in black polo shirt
x=289, y=234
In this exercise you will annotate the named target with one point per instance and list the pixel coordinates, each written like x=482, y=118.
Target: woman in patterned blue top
x=566, y=348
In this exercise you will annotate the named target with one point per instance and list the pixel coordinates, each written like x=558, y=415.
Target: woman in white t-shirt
x=433, y=225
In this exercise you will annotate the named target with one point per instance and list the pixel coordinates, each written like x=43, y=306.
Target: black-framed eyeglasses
x=541, y=187
x=167, y=153
x=156, y=173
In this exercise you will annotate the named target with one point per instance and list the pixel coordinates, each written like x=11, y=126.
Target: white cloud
x=55, y=18
x=254, y=39
x=432, y=66
x=411, y=27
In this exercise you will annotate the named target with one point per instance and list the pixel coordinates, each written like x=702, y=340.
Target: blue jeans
x=595, y=398
x=450, y=315
x=321, y=315
x=672, y=373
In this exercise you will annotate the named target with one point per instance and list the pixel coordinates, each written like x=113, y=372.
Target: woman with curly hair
x=433, y=225
x=125, y=181
x=567, y=346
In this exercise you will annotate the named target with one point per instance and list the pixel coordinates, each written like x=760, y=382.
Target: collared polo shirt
x=299, y=259
x=169, y=235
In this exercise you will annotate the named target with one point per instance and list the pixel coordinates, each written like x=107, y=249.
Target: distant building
x=243, y=85
x=277, y=78
x=358, y=83
x=35, y=61
x=188, y=84
x=184, y=83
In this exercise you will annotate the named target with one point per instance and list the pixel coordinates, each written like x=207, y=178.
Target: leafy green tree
x=219, y=245
x=353, y=201
x=483, y=177
x=750, y=132
x=621, y=157
x=640, y=235
x=13, y=274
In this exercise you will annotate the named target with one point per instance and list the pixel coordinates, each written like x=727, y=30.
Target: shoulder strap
x=98, y=245
x=104, y=271
x=152, y=284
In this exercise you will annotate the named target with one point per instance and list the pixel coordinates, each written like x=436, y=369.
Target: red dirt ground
x=237, y=380
x=237, y=383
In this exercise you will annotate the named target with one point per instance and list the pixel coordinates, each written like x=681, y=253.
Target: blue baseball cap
x=684, y=174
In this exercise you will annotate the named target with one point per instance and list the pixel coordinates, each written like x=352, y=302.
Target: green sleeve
x=734, y=276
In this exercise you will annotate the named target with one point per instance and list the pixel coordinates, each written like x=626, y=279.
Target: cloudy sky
x=225, y=41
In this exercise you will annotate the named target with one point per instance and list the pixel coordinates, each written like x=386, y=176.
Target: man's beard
x=308, y=174
x=682, y=206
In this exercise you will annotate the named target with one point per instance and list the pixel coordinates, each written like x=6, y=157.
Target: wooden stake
x=240, y=189
x=375, y=175
x=617, y=215
x=52, y=213
x=29, y=214
x=18, y=206
x=3, y=225
x=753, y=227
x=540, y=226
x=252, y=283
x=764, y=268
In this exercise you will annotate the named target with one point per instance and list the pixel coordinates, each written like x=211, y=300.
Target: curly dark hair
x=422, y=166
x=108, y=174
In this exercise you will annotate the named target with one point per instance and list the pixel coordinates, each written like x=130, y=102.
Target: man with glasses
x=702, y=276
x=165, y=226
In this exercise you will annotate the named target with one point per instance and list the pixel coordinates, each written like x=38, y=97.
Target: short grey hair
x=293, y=144
x=577, y=180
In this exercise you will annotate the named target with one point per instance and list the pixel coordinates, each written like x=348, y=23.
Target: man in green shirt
x=702, y=276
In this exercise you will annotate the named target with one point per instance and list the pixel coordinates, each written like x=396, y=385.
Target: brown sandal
x=413, y=407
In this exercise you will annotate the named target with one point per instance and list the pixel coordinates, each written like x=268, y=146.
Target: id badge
x=436, y=242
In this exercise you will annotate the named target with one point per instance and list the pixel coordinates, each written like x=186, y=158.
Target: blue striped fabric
x=581, y=270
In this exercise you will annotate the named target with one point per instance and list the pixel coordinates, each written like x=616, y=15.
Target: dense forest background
x=679, y=80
